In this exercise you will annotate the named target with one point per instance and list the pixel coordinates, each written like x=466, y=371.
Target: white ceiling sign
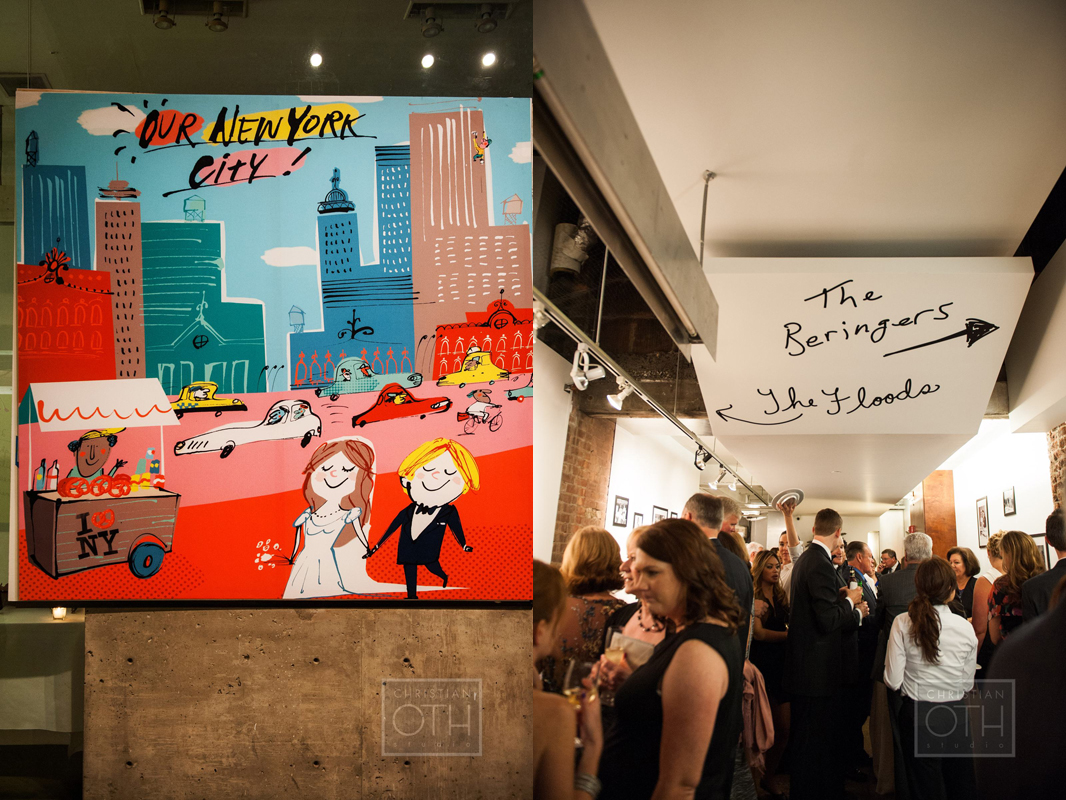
x=875, y=369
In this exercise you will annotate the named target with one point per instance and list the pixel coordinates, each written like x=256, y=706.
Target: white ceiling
x=848, y=128
x=839, y=128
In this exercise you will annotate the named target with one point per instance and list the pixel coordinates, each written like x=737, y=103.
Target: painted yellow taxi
x=200, y=396
x=477, y=368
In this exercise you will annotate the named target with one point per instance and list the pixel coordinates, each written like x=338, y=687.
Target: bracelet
x=583, y=782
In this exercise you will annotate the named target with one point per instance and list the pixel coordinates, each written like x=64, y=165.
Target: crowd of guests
x=742, y=671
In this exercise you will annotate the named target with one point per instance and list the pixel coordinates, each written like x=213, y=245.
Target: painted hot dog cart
x=107, y=517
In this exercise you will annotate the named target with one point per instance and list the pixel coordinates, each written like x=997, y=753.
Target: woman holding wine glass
x=678, y=716
x=554, y=720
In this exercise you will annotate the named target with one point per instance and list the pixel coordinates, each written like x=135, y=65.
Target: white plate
x=788, y=494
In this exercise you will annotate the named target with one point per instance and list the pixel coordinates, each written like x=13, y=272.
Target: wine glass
x=574, y=686
x=613, y=653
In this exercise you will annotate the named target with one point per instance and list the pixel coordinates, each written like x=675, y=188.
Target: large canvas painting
x=273, y=348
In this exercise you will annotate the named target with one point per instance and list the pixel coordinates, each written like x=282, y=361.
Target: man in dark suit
x=707, y=511
x=1036, y=592
x=895, y=592
x=814, y=657
x=858, y=687
x=889, y=564
x=1032, y=658
x=434, y=475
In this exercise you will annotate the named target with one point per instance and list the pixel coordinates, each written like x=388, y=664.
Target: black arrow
x=975, y=330
x=726, y=418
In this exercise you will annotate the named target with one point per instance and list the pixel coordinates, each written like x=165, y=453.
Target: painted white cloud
x=522, y=153
x=323, y=98
x=291, y=257
x=105, y=121
x=24, y=98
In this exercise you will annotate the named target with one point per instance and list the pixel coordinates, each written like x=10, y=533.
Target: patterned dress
x=580, y=636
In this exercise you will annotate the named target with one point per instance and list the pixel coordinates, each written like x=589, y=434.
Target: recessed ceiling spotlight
x=488, y=59
x=485, y=22
x=427, y=61
x=216, y=23
x=431, y=25
x=163, y=20
x=316, y=60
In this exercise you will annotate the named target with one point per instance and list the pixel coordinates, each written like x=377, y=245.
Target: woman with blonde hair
x=554, y=722
x=1021, y=561
x=982, y=593
x=591, y=568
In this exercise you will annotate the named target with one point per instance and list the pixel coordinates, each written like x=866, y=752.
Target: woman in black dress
x=966, y=567
x=678, y=717
x=768, y=654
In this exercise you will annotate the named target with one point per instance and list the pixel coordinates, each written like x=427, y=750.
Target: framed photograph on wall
x=621, y=511
x=673, y=515
x=658, y=513
x=638, y=519
x=1008, y=502
x=982, y=522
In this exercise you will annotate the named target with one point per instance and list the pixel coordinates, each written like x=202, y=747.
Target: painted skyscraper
x=460, y=260
x=192, y=331
x=366, y=309
x=55, y=213
x=118, y=251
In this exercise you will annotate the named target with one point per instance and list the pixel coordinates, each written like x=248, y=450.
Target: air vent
x=10, y=81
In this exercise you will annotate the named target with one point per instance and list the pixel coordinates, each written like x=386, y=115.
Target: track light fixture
x=163, y=20
x=714, y=484
x=582, y=372
x=216, y=23
x=485, y=23
x=540, y=317
x=732, y=485
x=702, y=458
x=431, y=24
x=625, y=388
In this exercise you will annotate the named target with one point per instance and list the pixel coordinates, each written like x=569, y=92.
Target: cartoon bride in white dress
x=339, y=488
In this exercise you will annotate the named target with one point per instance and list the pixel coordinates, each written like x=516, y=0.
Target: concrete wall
x=551, y=411
x=287, y=703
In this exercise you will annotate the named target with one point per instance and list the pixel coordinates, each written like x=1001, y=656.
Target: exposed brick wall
x=586, y=476
x=1056, y=446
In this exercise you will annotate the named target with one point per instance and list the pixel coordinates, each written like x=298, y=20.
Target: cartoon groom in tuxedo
x=434, y=475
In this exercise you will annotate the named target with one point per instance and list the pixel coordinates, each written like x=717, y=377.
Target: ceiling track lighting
x=703, y=457
x=625, y=388
x=431, y=24
x=582, y=371
x=485, y=23
x=732, y=485
x=216, y=23
x=162, y=19
x=721, y=475
x=586, y=346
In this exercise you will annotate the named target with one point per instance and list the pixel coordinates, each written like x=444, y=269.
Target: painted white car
x=286, y=419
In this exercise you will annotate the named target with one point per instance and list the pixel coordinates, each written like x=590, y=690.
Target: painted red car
x=395, y=402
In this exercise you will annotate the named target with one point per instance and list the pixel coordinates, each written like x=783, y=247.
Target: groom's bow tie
x=421, y=509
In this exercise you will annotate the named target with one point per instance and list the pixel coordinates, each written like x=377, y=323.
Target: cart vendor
x=91, y=452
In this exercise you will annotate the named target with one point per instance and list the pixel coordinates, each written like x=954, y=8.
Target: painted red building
x=503, y=330
x=65, y=332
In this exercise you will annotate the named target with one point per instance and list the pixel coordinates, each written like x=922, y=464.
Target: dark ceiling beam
x=1048, y=231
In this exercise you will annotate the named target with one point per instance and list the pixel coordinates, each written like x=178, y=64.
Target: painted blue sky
x=273, y=213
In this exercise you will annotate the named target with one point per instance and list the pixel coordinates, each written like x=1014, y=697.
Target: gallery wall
x=993, y=461
x=649, y=471
x=551, y=413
